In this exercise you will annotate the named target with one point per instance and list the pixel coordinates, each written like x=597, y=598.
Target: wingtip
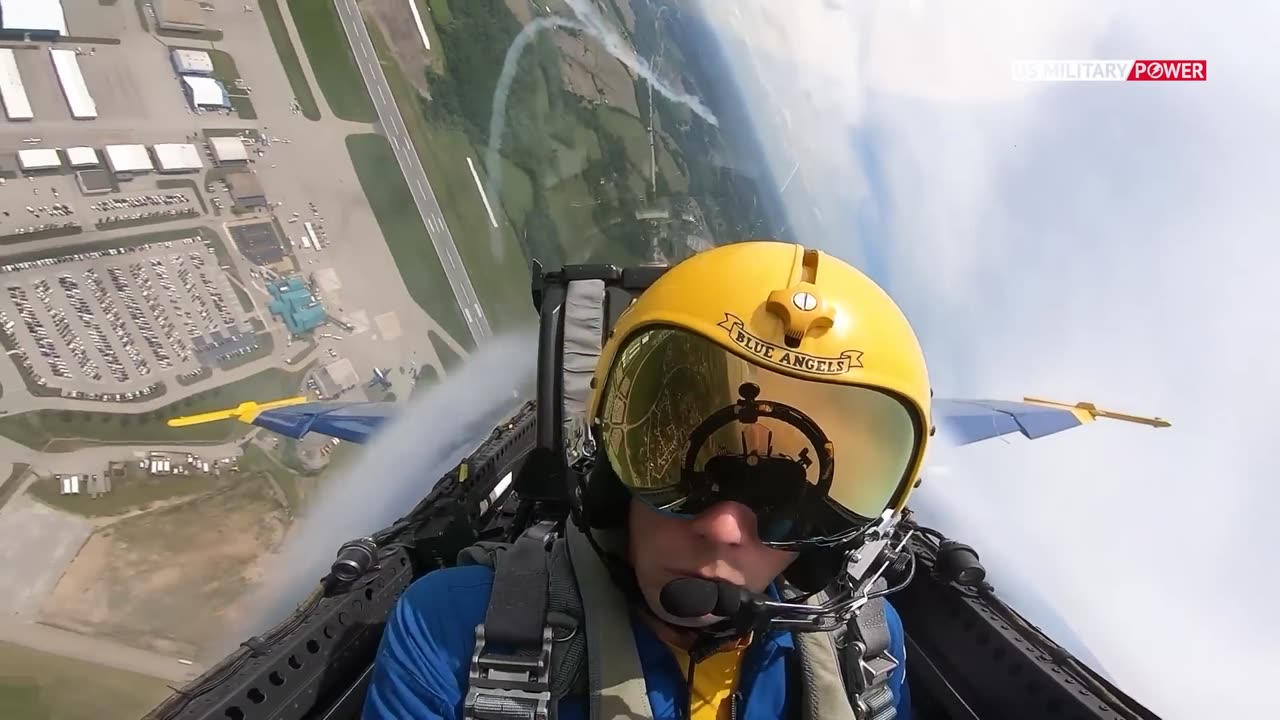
x=1088, y=411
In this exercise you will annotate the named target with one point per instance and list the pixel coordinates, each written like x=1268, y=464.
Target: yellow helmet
x=770, y=374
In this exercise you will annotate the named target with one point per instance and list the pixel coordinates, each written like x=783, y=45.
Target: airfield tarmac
x=139, y=101
x=147, y=106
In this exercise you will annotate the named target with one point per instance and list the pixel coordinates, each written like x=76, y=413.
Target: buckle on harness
x=870, y=672
x=506, y=687
x=869, y=683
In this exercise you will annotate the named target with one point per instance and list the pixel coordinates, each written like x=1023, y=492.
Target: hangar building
x=336, y=377
x=39, y=159
x=82, y=157
x=16, y=104
x=205, y=92
x=34, y=19
x=229, y=150
x=67, y=65
x=180, y=15
x=191, y=62
x=128, y=159
x=246, y=190
x=177, y=157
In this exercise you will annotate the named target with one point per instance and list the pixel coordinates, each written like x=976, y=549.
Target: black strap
x=518, y=604
x=513, y=682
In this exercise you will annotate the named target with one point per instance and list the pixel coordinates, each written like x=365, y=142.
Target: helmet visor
x=685, y=424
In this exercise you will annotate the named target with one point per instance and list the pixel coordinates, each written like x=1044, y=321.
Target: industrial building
x=191, y=62
x=39, y=159
x=180, y=15
x=82, y=157
x=177, y=157
x=246, y=190
x=12, y=92
x=228, y=150
x=67, y=65
x=128, y=159
x=33, y=19
x=337, y=377
x=205, y=92
x=293, y=302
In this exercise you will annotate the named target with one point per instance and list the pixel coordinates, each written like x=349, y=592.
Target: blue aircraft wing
x=970, y=421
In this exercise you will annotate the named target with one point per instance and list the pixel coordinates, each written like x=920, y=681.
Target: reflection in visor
x=666, y=383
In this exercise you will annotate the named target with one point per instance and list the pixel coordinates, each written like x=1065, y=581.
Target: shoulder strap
x=845, y=674
x=513, y=682
x=618, y=688
x=867, y=665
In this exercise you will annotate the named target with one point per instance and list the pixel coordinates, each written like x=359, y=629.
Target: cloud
x=1086, y=241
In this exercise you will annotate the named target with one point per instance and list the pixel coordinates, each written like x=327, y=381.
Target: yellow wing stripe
x=245, y=412
x=1088, y=412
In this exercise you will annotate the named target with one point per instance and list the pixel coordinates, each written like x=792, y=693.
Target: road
x=98, y=651
x=428, y=207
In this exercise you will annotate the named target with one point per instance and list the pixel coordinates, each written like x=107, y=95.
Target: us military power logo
x=786, y=357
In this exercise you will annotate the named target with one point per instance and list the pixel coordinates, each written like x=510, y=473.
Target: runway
x=415, y=177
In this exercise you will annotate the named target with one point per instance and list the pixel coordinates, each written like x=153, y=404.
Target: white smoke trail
x=589, y=22
x=393, y=473
x=598, y=28
x=498, y=114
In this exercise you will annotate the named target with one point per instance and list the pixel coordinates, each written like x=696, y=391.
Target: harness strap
x=518, y=605
x=513, y=680
x=844, y=675
x=867, y=664
x=616, y=678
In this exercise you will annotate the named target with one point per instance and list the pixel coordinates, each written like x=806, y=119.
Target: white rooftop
x=205, y=90
x=67, y=65
x=12, y=92
x=33, y=15
x=39, y=159
x=193, y=61
x=178, y=156
x=128, y=158
x=228, y=149
x=82, y=156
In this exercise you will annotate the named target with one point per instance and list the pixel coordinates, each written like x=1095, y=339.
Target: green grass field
x=332, y=63
x=406, y=236
x=443, y=152
x=429, y=20
x=289, y=59
x=256, y=461
x=440, y=11
x=448, y=357
x=41, y=686
x=38, y=429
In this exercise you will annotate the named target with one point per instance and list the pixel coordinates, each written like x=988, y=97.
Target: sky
x=1109, y=242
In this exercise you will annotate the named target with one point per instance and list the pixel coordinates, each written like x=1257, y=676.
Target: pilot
x=759, y=414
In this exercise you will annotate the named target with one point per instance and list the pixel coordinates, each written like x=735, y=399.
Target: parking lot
x=30, y=202
x=110, y=324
